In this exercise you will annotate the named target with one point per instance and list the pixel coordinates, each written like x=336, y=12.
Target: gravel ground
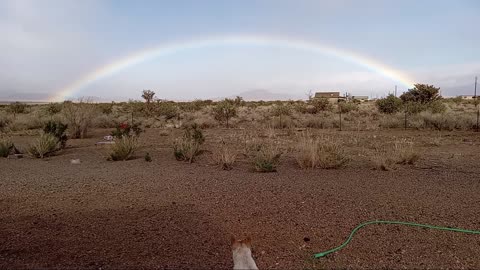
x=169, y=214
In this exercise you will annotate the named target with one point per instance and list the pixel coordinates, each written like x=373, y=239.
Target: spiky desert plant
x=124, y=148
x=44, y=146
x=224, y=156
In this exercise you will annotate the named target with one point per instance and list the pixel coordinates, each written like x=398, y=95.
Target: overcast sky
x=46, y=46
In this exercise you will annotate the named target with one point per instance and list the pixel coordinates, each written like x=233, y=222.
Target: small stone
x=75, y=161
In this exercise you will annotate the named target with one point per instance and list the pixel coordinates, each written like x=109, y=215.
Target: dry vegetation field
x=182, y=177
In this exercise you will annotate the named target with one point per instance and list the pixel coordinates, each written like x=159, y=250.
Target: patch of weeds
x=187, y=147
x=44, y=146
x=224, y=156
x=267, y=157
x=6, y=147
x=325, y=153
x=57, y=129
x=124, y=148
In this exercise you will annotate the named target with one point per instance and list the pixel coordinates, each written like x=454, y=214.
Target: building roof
x=360, y=97
x=327, y=94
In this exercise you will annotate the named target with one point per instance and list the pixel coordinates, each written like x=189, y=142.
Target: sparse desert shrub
x=400, y=152
x=323, y=153
x=405, y=153
x=167, y=109
x=79, y=117
x=389, y=105
x=318, y=121
x=126, y=130
x=27, y=122
x=105, y=121
x=437, y=106
x=346, y=107
x=123, y=148
x=53, y=108
x=319, y=105
x=17, y=108
x=57, y=129
x=4, y=121
x=106, y=108
x=224, y=156
x=44, y=146
x=6, y=146
x=187, y=147
x=392, y=121
x=224, y=111
x=267, y=157
x=281, y=111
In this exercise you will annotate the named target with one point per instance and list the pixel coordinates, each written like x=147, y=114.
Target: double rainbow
x=151, y=53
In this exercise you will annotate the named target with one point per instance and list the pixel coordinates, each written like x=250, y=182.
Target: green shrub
x=57, y=129
x=267, y=157
x=124, y=148
x=126, y=130
x=319, y=105
x=422, y=93
x=346, y=107
x=187, y=147
x=54, y=108
x=224, y=111
x=17, y=108
x=6, y=147
x=167, y=109
x=44, y=146
x=437, y=106
x=389, y=105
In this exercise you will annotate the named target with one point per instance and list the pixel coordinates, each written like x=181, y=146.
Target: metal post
x=476, y=102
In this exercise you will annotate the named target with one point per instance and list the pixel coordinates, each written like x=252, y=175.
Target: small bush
x=44, y=146
x=319, y=105
x=57, y=129
x=126, y=130
x=389, y=105
x=17, y=108
x=124, y=148
x=54, y=108
x=224, y=111
x=224, y=156
x=6, y=147
x=319, y=153
x=437, y=106
x=267, y=157
x=346, y=107
x=147, y=157
x=405, y=153
x=187, y=147
x=79, y=117
x=167, y=109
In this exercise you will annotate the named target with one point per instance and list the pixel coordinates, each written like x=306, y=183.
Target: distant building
x=466, y=96
x=331, y=96
x=360, y=98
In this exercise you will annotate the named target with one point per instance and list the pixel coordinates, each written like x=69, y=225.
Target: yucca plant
x=124, y=148
x=188, y=146
x=44, y=146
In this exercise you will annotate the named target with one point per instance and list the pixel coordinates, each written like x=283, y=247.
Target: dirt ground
x=170, y=214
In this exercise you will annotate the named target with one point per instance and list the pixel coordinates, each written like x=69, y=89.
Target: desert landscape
x=160, y=184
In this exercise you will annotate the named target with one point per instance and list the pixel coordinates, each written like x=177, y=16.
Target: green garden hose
x=321, y=254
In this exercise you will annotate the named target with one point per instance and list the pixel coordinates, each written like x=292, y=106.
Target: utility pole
x=395, y=91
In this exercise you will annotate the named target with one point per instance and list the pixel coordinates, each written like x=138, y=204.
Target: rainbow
x=170, y=48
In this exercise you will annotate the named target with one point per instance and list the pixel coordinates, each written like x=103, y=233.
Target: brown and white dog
x=242, y=254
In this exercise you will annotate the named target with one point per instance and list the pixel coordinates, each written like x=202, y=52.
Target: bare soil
x=170, y=214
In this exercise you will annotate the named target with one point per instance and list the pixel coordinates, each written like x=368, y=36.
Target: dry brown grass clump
x=224, y=156
x=6, y=147
x=401, y=152
x=325, y=153
x=187, y=147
